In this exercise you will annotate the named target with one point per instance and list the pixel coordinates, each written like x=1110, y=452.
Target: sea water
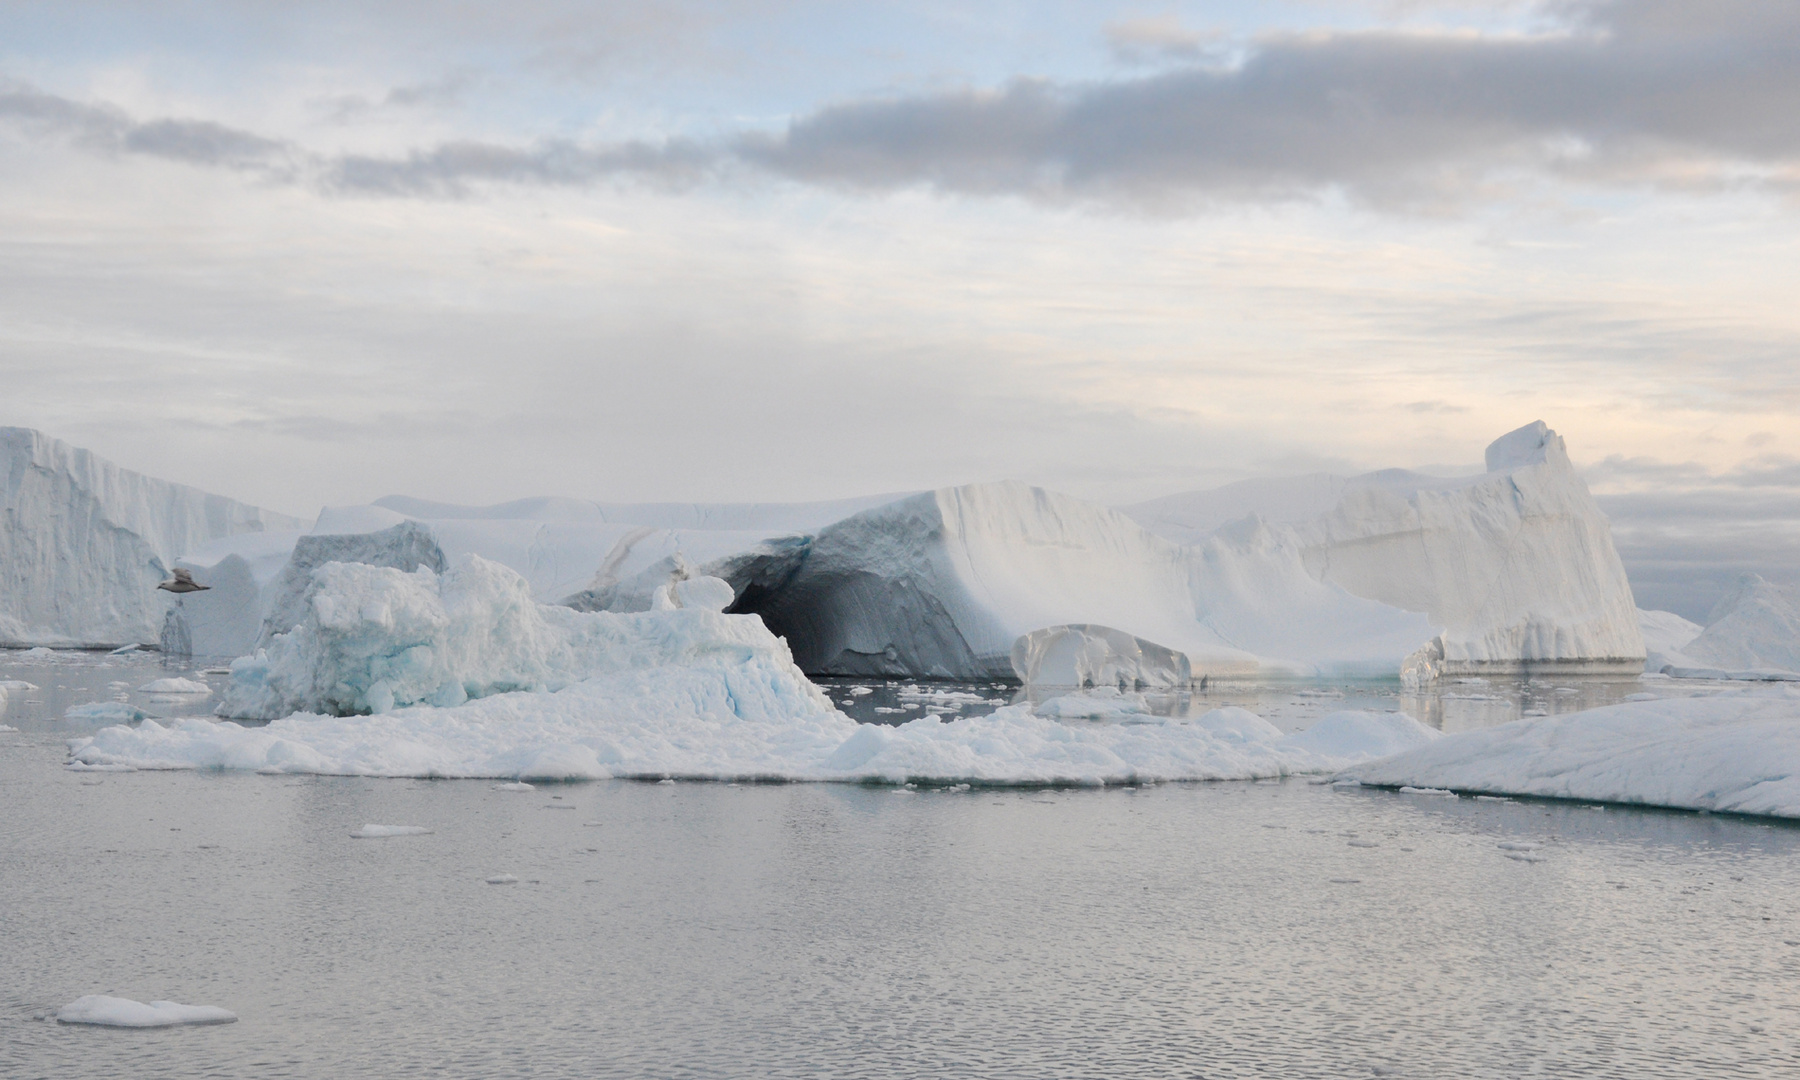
x=796, y=930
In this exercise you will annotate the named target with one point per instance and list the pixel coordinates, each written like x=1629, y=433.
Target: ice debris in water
x=1442, y=793
x=175, y=686
x=502, y=879
x=516, y=785
x=105, y=712
x=124, y=1012
x=378, y=832
x=1517, y=845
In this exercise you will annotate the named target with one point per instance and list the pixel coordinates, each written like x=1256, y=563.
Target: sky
x=734, y=250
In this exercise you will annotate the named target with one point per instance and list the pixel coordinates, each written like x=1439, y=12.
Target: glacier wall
x=83, y=543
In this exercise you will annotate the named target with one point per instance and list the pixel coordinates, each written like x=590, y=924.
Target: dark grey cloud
x=110, y=130
x=452, y=168
x=1630, y=91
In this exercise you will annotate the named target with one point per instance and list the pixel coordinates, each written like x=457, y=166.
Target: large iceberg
x=85, y=543
x=1390, y=573
x=1515, y=565
x=461, y=674
x=1736, y=752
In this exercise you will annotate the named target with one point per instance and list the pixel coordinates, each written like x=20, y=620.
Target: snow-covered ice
x=1752, y=634
x=108, y=1011
x=382, y=832
x=1737, y=751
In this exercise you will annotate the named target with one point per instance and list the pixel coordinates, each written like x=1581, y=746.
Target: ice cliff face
x=83, y=543
x=944, y=584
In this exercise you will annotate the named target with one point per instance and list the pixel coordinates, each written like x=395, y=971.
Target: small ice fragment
x=593, y=824
x=174, y=686
x=666, y=780
x=1364, y=843
x=552, y=806
x=1346, y=781
x=1442, y=793
x=1346, y=881
x=104, y=712
x=502, y=879
x=1492, y=798
x=1517, y=845
x=886, y=709
x=124, y=1012
x=123, y=649
x=516, y=785
x=1534, y=712
x=7, y=727
x=1523, y=856
x=1640, y=697
x=859, y=691
x=378, y=832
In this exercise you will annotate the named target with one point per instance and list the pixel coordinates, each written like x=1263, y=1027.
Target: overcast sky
x=319, y=253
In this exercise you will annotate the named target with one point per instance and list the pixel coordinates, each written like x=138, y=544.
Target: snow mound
x=373, y=638
x=174, y=686
x=1736, y=752
x=381, y=832
x=86, y=543
x=123, y=1012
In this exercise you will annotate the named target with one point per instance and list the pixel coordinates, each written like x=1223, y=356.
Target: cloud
x=452, y=168
x=1620, y=92
x=110, y=130
x=1160, y=38
x=1627, y=92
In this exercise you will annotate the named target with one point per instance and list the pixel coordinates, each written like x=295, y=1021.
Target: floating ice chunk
x=175, y=686
x=502, y=879
x=1641, y=697
x=1737, y=752
x=16, y=684
x=123, y=649
x=859, y=691
x=1525, y=856
x=1517, y=845
x=516, y=785
x=6, y=727
x=1364, y=843
x=1441, y=793
x=379, y=832
x=104, y=712
x=123, y=1012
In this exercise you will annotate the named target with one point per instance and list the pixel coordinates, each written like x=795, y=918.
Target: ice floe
x=105, y=1011
x=1737, y=751
x=175, y=686
x=104, y=712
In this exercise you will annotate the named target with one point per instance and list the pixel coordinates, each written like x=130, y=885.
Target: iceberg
x=86, y=543
x=1516, y=565
x=462, y=674
x=1736, y=752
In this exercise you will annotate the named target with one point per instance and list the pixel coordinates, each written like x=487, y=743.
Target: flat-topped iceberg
x=1736, y=751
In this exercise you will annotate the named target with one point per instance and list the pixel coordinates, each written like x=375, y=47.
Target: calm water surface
x=711, y=930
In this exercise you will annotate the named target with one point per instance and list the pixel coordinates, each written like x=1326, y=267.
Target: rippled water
x=804, y=930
